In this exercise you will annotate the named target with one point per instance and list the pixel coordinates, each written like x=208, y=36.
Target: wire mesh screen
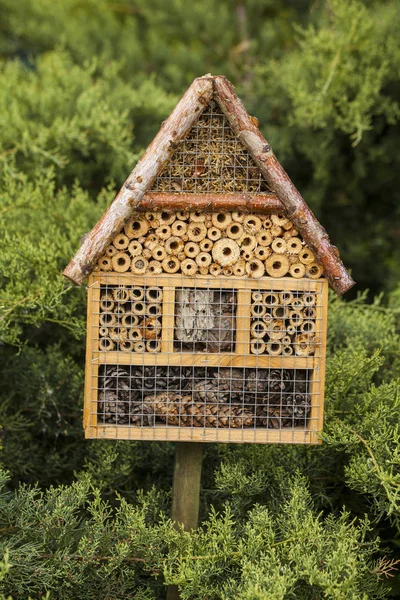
x=211, y=159
x=223, y=359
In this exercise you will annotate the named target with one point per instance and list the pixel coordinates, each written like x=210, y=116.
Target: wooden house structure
x=207, y=290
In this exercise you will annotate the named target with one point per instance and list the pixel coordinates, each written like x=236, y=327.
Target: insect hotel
x=207, y=289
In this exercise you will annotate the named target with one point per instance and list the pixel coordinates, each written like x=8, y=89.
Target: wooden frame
x=241, y=357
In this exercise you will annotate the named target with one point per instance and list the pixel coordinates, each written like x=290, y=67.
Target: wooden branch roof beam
x=134, y=193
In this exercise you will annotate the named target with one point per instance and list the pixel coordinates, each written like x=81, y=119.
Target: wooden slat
x=243, y=322
x=241, y=201
x=203, y=360
x=207, y=281
x=198, y=434
x=91, y=374
x=168, y=320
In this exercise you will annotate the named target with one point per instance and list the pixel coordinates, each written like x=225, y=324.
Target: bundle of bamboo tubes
x=224, y=243
x=283, y=323
x=130, y=318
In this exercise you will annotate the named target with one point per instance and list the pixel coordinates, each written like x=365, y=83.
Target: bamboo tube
x=286, y=297
x=139, y=265
x=297, y=303
x=171, y=264
x=297, y=270
x=105, y=263
x=181, y=256
x=225, y=252
x=276, y=230
x=274, y=348
x=278, y=245
x=183, y=215
x=121, y=294
x=152, y=216
x=214, y=234
x=196, y=232
x=163, y=232
x=234, y=231
x=267, y=318
x=264, y=237
x=103, y=331
x=294, y=245
x=287, y=350
x=280, y=220
x=248, y=242
x=227, y=270
x=221, y=220
x=189, y=267
x=147, y=253
x=259, y=329
x=309, y=312
x=142, y=239
x=139, y=347
x=258, y=310
x=247, y=255
x=178, y=228
x=295, y=318
x=119, y=310
x=154, y=267
x=288, y=225
x=271, y=298
x=252, y=224
x=136, y=228
x=306, y=256
x=197, y=216
x=136, y=293
x=151, y=328
x=139, y=308
x=203, y=259
x=206, y=245
x=203, y=270
x=313, y=271
x=291, y=330
x=121, y=262
x=106, y=345
x=215, y=269
x=121, y=241
x=277, y=265
x=262, y=252
x=153, y=346
x=135, y=334
x=111, y=250
x=238, y=216
x=277, y=329
x=154, y=294
x=191, y=249
x=129, y=320
x=267, y=223
x=135, y=248
x=126, y=346
x=308, y=327
x=106, y=302
x=159, y=252
x=309, y=299
x=255, y=268
x=118, y=334
x=167, y=218
x=286, y=340
x=302, y=346
x=257, y=347
x=208, y=219
x=154, y=310
x=279, y=312
x=257, y=296
x=150, y=242
x=107, y=319
x=239, y=268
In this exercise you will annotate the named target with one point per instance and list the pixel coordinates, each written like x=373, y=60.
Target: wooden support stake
x=186, y=491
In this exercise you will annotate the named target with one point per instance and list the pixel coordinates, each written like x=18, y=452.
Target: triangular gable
x=172, y=133
x=211, y=159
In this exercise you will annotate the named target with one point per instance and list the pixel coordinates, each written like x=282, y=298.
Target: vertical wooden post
x=186, y=491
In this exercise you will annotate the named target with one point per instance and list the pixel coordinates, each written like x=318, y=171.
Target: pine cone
x=297, y=406
x=114, y=378
x=112, y=409
x=167, y=406
x=207, y=391
x=154, y=379
x=141, y=414
x=230, y=380
x=256, y=380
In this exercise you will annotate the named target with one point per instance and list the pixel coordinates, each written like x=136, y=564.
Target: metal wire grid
x=206, y=384
x=211, y=159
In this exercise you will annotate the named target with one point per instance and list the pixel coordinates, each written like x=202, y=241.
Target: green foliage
x=83, y=88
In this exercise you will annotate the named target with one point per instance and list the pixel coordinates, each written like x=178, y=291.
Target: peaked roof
x=134, y=194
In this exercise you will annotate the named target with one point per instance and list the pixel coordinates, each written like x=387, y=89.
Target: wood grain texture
x=172, y=131
x=243, y=202
x=295, y=207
